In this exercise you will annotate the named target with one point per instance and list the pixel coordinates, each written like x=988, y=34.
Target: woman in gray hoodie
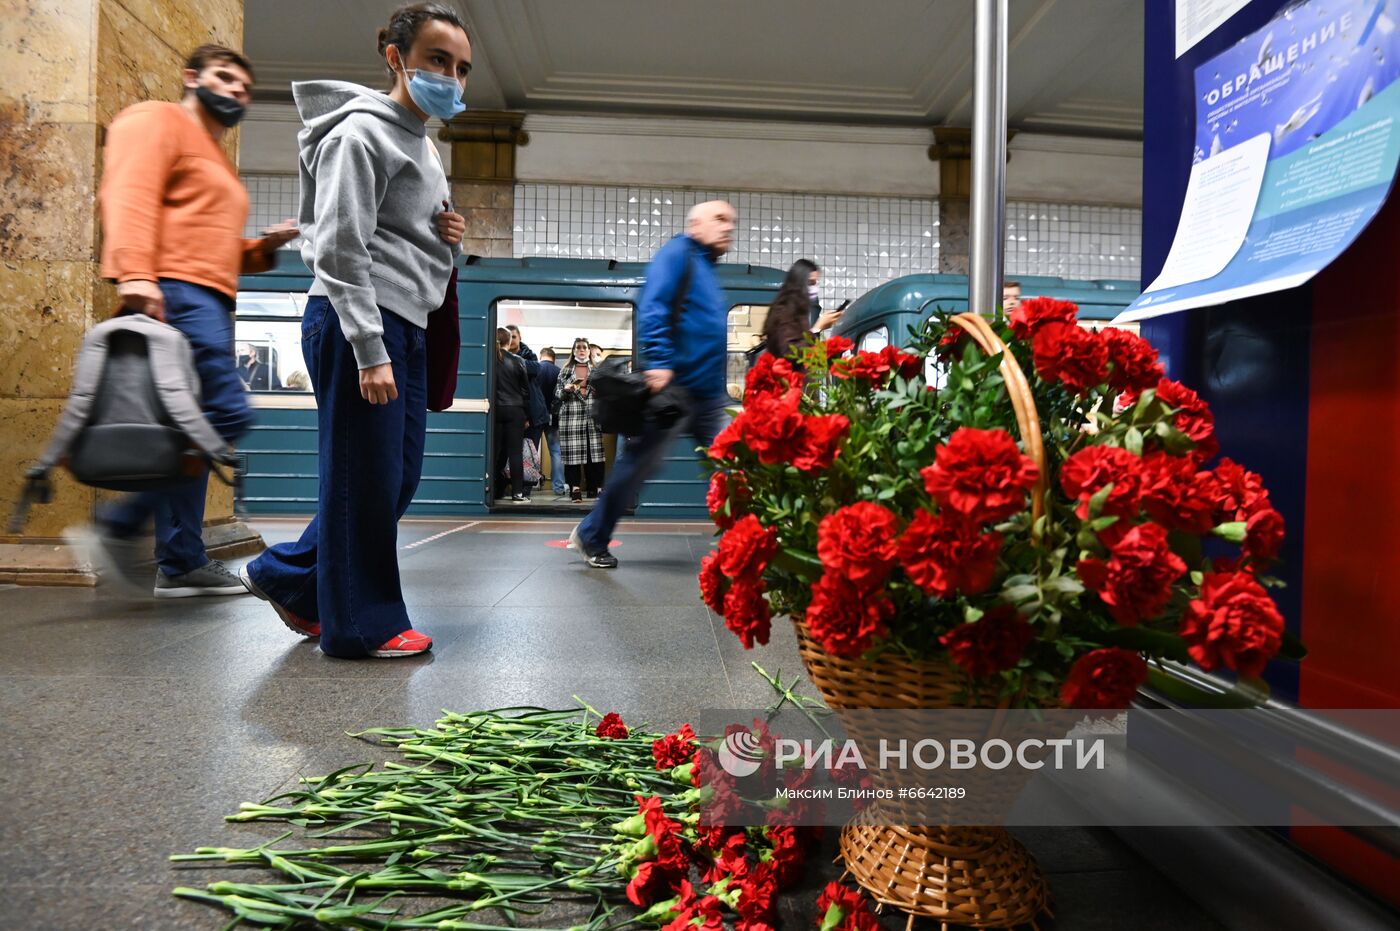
x=380, y=237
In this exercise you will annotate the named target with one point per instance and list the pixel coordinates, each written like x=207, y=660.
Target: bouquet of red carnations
x=899, y=501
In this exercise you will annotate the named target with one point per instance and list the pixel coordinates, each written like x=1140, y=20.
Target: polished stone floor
x=131, y=728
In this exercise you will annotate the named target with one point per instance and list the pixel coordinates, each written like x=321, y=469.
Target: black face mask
x=224, y=109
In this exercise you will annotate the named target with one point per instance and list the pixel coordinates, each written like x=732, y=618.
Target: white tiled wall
x=1073, y=241
x=272, y=199
x=858, y=241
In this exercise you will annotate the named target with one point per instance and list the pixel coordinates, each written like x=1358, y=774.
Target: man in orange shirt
x=173, y=210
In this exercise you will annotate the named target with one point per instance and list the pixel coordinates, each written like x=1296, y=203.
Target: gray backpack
x=133, y=420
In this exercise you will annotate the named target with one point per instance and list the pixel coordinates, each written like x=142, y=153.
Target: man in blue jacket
x=683, y=338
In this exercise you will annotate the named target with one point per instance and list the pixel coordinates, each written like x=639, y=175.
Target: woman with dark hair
x=790, y=315
x=580, y=440
x=381, y=239
x=509, y=411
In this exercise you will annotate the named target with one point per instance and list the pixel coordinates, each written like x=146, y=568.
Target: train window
x=551, y=324
x=267, y=341
x=744, y=345
x=875, y=340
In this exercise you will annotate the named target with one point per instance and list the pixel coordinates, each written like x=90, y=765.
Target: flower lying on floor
x=494, y=814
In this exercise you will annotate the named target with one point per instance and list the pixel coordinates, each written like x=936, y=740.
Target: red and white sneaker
x=311, y=630
x=408, y=643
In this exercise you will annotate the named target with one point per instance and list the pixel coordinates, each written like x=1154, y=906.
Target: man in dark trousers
x=173, y=211
x=547, y=380
x=690, y=357
x=538, y=410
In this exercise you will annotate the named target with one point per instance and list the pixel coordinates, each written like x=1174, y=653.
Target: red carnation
x=1136, y=582
x=852, y=910
x=696, y=911
x=611, y=727
x=727, y=488
x=730, y=437
x=1193, y=417
x=746, y=613
x=789, y=854
x=951, y=344
x=1239, y=492
x=712, y=583
x=758, y=891
x=990, y=644
x=1106, y=678
x=674, y=749
x=859, y=542
x=1071, y=354
x=981, y=475
x=1177, y=495
x=905, y=363
x=744, y=551
x=1093, y=468
x=1263, y=536
x=1029, y=316
x=773, y=426
x=1135, y=365
x=877, y=367
x=836, y=345
x=820, y=441
x=729, y=860
x=770, y=375
x=845, y=620
x=1233, y=623
x=945, y=555
x=651, y=883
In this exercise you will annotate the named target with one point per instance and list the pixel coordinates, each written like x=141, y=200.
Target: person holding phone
x=580, y=440
x=798, y=301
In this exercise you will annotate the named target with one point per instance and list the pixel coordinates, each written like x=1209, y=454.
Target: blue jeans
x=556, y=461
x=344, y=571
x=204, y=316
x=639, y=458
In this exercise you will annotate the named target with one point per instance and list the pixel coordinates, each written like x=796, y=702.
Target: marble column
x=952, y=150
x=66, y=68
x=483, y=177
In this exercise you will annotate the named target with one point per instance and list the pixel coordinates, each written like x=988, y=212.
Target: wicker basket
x=978, y=877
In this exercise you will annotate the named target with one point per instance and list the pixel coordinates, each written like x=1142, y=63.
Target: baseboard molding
x=55, y=563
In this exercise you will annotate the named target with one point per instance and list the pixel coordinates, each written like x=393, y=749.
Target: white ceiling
x=1075, y=65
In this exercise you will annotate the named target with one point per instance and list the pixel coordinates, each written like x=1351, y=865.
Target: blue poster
x=1297, y=142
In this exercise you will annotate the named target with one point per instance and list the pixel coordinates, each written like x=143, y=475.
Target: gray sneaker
x=213, y=578
x=125, y=562
x=599, y=560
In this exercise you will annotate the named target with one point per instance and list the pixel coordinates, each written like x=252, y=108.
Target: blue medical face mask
x=436, y=94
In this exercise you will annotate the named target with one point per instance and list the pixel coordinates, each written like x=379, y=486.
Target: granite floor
x=132, y=727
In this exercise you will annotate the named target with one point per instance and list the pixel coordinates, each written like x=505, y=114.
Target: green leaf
x=1099, y=499
x=1064, y=583
x=1019, y=593
x=1233, y=531
x=1132, y=441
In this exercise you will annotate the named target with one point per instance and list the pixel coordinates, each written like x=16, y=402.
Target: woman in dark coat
x=790, y=317
x=511, y=402
x=580, y=440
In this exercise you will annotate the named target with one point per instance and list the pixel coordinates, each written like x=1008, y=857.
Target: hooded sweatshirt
x=371, y=188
